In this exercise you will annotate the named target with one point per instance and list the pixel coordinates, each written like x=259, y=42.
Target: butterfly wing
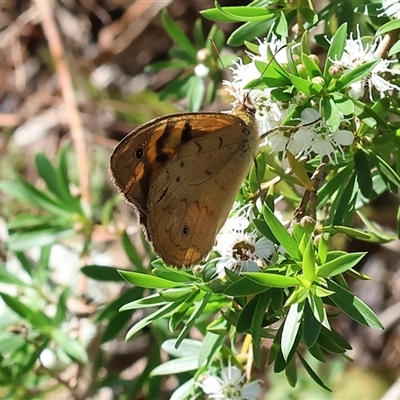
x=138, y=158
x=191, y=198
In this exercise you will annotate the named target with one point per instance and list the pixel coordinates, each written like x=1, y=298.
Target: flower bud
x=335, y=71
x=203, y=55
x=314, y=58
x=319, y=80
x=307, y=222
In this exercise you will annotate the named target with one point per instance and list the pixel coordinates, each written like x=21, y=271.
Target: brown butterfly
x=181, y=173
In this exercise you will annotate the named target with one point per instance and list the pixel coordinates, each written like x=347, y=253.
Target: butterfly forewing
x=137, y=160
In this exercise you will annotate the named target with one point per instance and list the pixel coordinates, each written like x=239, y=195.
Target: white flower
x=230, y=386
x=391, y=8
x=356, y=52
x=201, y=70
x=313, y=136
x=269, y=113
x=240, y=251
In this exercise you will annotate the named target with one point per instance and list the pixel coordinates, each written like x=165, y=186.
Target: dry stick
x=387, y=42
x=64, y=76
x=310, y=197
x=77, y=132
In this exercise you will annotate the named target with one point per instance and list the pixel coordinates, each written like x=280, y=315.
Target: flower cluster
x=312, y=136
x=357, y=53
x=269, y=113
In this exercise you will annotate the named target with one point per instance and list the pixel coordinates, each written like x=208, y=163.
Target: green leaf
x=37, y=318
x=354, y=75
x=22, y=190
x=257, y=172
x=344, y=105
x=184, y=391
x=197, y=311
x=102, y=273
x=263, y=301
x=322, y=249
x=244, y=287
x=184, y=364
x=237, y=14
x=161, y=65
x=172, y=274
x=313, y=375
x=281, y=233
x=310, y=327
x=335, y=51
x=150, y=301
x=291, y=328
x=271, y=280
x=20, y=241
x=177, y=35
x=71, y=346
x=245, y=318
x=196, y=93
x=326, y=192
x=309, y=261
x=61, y=310
x=212, y=344
x=132, y=253
x=350, y=232
x=353, y=306
x=116, y=325
x=198, y=33
x=318, y=310
x=344, y=202
x=264, y=229
x=339, y=265
x=375, y=234
x=281, y=25
x=280, y=362
x=394, y=49
x=54, y=181
x=388, y=27
x=188, y=347
x=146, y=280
x=363, y=171
x=249, y=31
x=177, y=294
x=332, y=114
x=10, y=279
x=385, y=169
x=333, y=342
x=291, y=373
x=298, y=295
x=312, y=69
x=305, y=86
x=162, y=312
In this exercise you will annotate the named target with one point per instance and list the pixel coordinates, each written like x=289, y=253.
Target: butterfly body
x=182, y=172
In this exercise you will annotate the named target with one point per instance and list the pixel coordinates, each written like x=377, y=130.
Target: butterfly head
x=245, y=110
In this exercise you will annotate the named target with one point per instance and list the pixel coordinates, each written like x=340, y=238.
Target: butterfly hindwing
x=194, y=192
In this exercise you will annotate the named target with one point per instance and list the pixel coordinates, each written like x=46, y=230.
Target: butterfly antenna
x=222, y=64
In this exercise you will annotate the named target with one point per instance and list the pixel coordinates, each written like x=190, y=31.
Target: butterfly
x=181, y=173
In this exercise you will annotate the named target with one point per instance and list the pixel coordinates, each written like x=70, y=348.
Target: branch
x=64, y=76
